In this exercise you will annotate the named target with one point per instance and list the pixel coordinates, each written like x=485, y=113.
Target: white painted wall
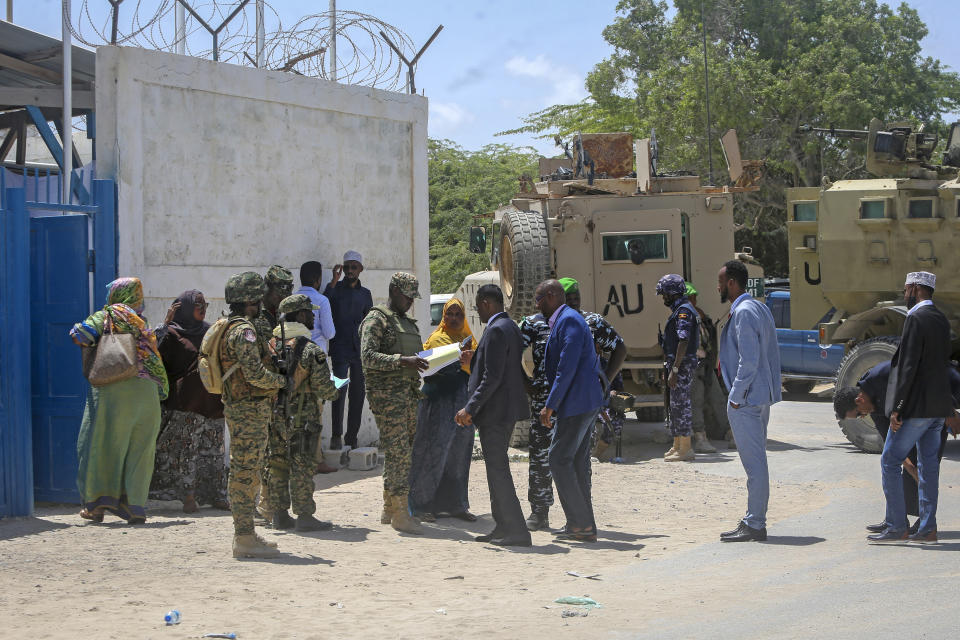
x=223, y=169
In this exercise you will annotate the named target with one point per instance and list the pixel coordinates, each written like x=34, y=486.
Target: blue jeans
x=925, y=434
x=749, y=424
x=570, y=466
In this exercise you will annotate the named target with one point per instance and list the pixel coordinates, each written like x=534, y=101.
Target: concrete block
x=332, y=457
x=363, y=459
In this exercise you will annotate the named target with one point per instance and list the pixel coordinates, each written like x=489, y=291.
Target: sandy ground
x=63, y=577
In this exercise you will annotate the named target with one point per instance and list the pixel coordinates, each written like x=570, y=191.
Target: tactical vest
x=406, y=342
x=236, y=388
x=670, y=339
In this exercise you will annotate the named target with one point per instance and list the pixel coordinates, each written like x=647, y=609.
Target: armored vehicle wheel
x=524, y=260
x=861, y=358
x=521, y=435
x=799, y=386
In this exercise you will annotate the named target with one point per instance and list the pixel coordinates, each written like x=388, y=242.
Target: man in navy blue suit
x=576, y=393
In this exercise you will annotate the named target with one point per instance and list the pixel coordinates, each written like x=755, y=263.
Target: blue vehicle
x=803, y=363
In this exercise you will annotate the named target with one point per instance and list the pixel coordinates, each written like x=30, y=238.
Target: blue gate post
x=104, y=236
x=15, y=407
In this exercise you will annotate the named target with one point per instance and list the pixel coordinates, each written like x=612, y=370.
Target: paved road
x=816, y=577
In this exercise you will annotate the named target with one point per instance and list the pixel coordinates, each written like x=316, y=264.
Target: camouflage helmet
x=244, y=287
x=407, y=283
x=279, y=278
x=296, y=302
x=671, y=285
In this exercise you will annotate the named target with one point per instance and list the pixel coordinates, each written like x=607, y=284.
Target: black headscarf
x=184, y=322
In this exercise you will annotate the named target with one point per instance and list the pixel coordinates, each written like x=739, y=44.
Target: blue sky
x=495, y=61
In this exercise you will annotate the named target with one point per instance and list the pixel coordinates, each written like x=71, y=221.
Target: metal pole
x=181, y=31
x=10, y=11
x=67, y=169
x=333, y=40
x=706, y=82
x=260, y=34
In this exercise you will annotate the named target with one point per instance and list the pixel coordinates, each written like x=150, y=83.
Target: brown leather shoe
x=323, y=467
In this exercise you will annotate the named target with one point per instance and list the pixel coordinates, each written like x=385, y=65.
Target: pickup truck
x=803, y=363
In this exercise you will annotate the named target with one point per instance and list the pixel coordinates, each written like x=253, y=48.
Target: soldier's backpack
x=208, y=363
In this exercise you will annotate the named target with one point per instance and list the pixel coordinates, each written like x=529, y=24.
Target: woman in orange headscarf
x=442, y=450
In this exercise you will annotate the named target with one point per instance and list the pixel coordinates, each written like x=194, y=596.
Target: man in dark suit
x=868, y=398
x=918, y=399
x=576, y=393
x=496, y=400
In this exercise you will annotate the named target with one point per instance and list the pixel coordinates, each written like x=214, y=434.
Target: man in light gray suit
x=496, y=400
x=749, y=364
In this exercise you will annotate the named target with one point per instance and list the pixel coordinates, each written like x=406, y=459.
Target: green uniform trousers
x=248, y=422
x=290, y=467
x=396, y=415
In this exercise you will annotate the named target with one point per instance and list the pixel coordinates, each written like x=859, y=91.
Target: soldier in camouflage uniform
x=278, y=285
x=612, y=351
x=389, y=343
x=294, y=438
x=248, y=395
x=705, y=392
x=681, y=339
x=535, y=331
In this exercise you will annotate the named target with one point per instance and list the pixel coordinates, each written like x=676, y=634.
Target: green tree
x=774, y=64
x=465, y=185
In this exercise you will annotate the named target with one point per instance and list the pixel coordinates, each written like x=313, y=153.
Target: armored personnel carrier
x=852, y=242
x=578, y=220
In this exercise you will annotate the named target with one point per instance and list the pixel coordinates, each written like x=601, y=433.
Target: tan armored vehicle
x=852, y=242
x=577, y=222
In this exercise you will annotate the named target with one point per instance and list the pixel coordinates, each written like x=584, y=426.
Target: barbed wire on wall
x=363, y=57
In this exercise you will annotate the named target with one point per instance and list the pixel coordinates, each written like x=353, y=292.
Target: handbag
x=113, y=359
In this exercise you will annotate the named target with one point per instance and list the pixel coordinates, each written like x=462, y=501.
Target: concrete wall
x=222, y=169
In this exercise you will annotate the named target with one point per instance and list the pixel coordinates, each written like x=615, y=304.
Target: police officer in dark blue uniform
x=680, y=342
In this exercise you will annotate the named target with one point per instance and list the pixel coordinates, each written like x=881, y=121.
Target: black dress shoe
x=746, y=534
x=887, y=537
x=512, y=541
x=735, y=532
x=877, y=528
x=488, y=537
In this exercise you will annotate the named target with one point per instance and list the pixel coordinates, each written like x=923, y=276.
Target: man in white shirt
x=311, y=276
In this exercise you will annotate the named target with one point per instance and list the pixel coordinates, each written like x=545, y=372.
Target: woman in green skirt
x=121, y=420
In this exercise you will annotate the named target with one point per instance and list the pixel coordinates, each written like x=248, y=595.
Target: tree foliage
x=463, y=186
x=773, y=65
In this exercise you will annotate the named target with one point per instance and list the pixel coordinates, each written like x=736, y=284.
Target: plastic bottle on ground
x=172, y=617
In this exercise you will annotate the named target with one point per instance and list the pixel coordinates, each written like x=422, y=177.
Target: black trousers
x=504, y=504
x=355, y=392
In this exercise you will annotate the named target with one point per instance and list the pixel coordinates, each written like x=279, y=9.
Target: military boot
x=672, y=450
x=684, y=452
x=309, y=523
x=401, y=520
x=539, y=519
x=282, y=520
x=253, y=546
x=387, y=514
x=701, y=444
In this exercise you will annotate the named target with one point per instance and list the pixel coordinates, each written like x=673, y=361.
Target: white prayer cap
x=353, y=255
x=924, y=278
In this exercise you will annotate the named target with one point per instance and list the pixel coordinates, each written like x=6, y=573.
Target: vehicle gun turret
x=897, y=150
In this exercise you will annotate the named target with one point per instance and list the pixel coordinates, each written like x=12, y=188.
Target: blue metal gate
x=16, y=476
x=56, y=276
x=59, y=296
